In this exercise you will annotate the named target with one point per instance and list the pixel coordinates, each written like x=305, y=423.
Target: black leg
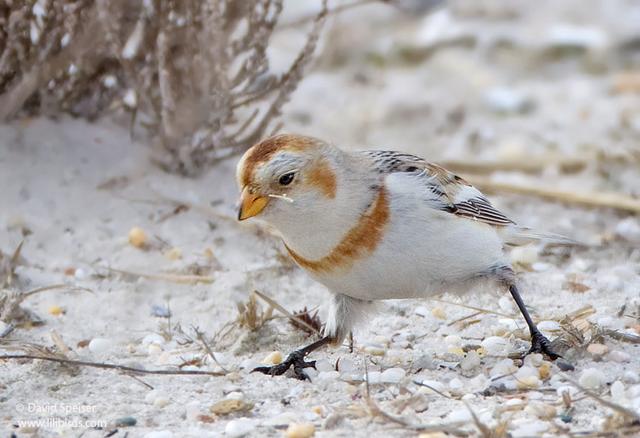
x=539, y=344
x=295, y=360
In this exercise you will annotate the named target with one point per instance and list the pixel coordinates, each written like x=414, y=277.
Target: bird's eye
x=286, y=179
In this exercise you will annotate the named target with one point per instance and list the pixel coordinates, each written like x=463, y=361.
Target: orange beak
x=251, y=204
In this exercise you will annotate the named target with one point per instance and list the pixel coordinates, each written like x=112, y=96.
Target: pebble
x=421, y=311
x=456, y=385
x=392, y=375
x=173, y=254
x=55, y=310
x=541, y=410
x=153, y=338
x=240, y=427
x=346, y=365
x=524, y=255
x=619, y=356
x=438, y=386
x=503, y=368
x=592, y=378
x=529, y=429
x=375, y=350
x=99, y=345
x=137, y=237
x=300, y=430
x=506, y=304
x=230, y=405
x=125, y=422
x=495, y=345
x=629, y=229
x=597, y=350
x=453, y=340
x=549, y=326
x=618, y=393
x=80, y=274
x=160, y=402
x=631, y=377
x=471, y=361
x=508, y=100
x=529, y=382
x=159, y=434
x=439, y=313
x=273, y=358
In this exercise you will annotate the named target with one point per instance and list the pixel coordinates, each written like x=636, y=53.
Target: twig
x=588, y=199
x=625, y=337
x=200, y=337
x=616, y=407
x=110, y=366
x=478, y=309
x=173, y=278
x=442, y=394
x=284, y=311
x=484, y=430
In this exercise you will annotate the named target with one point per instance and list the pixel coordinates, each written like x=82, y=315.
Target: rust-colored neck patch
x=360, y=241
x=322, y=176
x=264, y=150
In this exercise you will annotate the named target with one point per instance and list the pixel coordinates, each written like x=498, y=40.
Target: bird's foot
x=540, y=344
x=295, y=360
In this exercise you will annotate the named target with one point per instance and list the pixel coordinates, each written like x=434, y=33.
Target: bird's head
x=287, y=178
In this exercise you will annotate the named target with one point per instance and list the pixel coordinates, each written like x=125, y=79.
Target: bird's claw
x=540, y=344
x=295, y=360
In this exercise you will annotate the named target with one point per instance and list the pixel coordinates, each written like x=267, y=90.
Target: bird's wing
x=451, y=193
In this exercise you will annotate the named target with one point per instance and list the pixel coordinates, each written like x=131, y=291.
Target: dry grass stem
x=172, y=278
x=285, y=312
x=616, y=201
x=628, y=413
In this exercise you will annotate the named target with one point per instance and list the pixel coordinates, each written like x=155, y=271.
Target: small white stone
x=459, y=415
x=471, y=361
x=373, y=376
x=99, y=345
x=422, y=311
x=631, y=377
x=375, y=350
x=153, y=338
x=438, y=386
x=328, y=375
x=324, y=365
x=524, y=255
x=192, y=410
x=618, y=393
x=346, y=365
x=619, y=356
x=540, y=266
x=549, y=326
x=592, y=378
x=533, y=360
x=155, y=350
x=507, y=100
x=159, y=434
x=249, y=364
x=506, y=304
x=530, y=428
x=456, y=384
x=80, y=274
x=240, y=427
x=526, y=371
x=160, y=402
x=392, y=375
x=235, y=395
x=629, y=229
x=453, y=340
x=495, y=345
x=572, y=390
x=503, y=368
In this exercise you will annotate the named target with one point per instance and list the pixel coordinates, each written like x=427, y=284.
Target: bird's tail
x=517, y=235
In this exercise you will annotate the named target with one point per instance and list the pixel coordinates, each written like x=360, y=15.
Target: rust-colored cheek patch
x=322, y=177
x=360, y=241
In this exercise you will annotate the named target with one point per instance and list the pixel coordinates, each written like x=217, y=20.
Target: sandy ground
x=489, y=83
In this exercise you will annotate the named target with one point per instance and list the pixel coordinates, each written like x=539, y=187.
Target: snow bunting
x=375, y=225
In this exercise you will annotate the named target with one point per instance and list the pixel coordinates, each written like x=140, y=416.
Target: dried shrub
x=197, y=71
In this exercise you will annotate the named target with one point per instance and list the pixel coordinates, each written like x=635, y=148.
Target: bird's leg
x=296, y=360
x=539, y=343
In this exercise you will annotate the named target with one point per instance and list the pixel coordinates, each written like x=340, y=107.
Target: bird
x=373, y=225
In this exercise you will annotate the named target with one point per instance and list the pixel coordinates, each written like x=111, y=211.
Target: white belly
x=423, y=252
